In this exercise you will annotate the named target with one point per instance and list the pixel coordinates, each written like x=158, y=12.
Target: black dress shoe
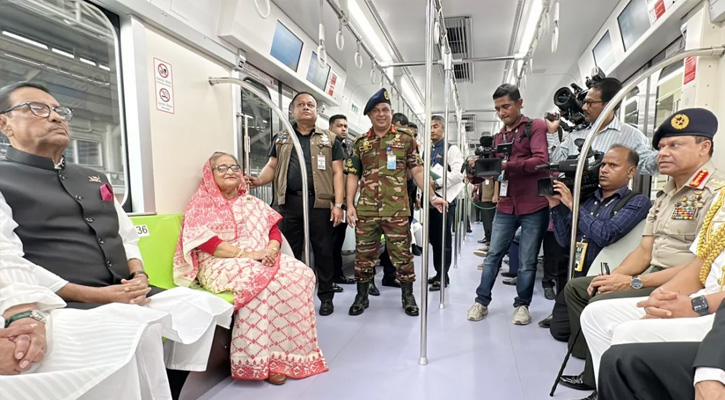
x=508, y=275
x=575, y=382
x=436, y=286
x=593, y=396
x=344, y=280
x=549, y=293
x=416, y=250
x=546, y=322
x=337, y=288
x=433, y=279
x=326, y=308
x=391, y=282
x=373, y=290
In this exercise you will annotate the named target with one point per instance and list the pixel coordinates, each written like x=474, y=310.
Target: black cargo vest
x=64, y=224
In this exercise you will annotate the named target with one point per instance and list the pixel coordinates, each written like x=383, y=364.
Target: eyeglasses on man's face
x=224, y=168
x=589, y=103
x=43, y=110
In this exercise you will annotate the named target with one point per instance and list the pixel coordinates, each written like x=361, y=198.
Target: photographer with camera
x=604, y=218
x=612, y=131
x=518, y=203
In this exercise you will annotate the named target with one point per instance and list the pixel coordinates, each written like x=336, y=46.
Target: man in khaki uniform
x=672, y=225
x=323, y=159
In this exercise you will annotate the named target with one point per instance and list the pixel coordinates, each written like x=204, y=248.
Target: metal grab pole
x=423, y=359
x=298, y=148
x=247, y=145
x=709, y=51
x=445, y=235
x=456, y=236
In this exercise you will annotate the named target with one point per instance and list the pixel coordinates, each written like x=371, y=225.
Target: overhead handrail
x=259, y=9
x=611, y=105
x=298, y=150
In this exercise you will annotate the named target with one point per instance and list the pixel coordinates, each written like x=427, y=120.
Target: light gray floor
x=374, y=356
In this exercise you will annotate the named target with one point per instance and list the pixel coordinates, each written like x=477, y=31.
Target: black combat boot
x=409, y=305
x=361, y=299
x=372, y=289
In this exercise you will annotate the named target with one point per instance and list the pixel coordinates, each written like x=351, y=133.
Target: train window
x=257, y=116
x=669, y=93
x=603, y=53
x=631, y=108
x=70, y=48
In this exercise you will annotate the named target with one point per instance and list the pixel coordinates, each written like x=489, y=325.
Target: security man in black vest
x=323, y=157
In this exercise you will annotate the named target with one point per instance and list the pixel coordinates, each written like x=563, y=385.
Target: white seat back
x=616, y=252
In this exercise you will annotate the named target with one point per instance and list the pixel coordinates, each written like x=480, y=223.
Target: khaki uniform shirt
x=677, y=216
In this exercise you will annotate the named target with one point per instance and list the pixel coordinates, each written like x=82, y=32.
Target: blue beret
x=381, y=96
x=687, y=122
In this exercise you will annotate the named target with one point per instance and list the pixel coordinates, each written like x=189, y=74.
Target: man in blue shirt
x=599, y=223
x=599, y=226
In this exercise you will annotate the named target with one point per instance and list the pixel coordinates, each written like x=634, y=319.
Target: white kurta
x=194, y=315
x=618, y=321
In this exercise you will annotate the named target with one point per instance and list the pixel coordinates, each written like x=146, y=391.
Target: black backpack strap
x=527, y=131
x=623, y=202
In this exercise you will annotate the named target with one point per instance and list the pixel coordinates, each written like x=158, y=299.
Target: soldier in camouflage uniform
x=380, y=161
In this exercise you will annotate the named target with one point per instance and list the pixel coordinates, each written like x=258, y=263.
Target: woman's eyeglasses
x=224, y=168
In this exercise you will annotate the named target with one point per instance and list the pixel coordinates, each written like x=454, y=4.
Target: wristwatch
x=338, y=205
x=700, y=306
x=133, y=275
x=34, y=314
x=636, y=282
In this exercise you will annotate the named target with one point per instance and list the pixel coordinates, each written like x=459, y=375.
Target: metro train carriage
x=562, y=153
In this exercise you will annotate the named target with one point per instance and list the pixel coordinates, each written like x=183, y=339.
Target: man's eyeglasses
x=43, y=110
x=224, y=168
x=589, y=103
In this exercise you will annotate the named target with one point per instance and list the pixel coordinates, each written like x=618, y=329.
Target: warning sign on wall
x=164, y=86
x=690, y=70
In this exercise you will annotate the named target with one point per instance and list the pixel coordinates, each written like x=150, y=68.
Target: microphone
x=486, y=141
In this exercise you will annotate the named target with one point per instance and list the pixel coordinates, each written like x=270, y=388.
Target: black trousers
x=648, y=371
x=435, y=228
x=487, y=214
x=320, y=239
x=555, y=264
x=338, y=239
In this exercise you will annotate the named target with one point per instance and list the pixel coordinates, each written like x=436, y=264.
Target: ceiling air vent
x=459, y=38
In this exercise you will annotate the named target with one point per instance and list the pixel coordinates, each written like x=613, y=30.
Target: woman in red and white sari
x=230, y=242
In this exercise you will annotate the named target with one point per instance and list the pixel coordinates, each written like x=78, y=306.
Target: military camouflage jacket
x=383, y=189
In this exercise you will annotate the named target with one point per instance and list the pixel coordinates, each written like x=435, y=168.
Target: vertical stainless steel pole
x=423, y=359
x=247, y=145
x=445, y=234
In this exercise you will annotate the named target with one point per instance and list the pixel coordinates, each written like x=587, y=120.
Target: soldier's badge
x=387, y=96
x=680, y=121
x=94, y=178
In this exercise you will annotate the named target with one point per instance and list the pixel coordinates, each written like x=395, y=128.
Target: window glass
x=669, y=93
x=71, y=51
x=257, y=116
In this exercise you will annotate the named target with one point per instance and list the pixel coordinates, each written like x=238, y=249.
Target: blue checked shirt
x=615, y=133
x=597, y=224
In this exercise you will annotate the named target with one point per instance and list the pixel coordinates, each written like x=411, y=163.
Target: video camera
x=571, y=102
x=590, y=180
x=488, y=164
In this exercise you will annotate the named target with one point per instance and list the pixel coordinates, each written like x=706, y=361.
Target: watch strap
x=24, y=314
x=134, y=273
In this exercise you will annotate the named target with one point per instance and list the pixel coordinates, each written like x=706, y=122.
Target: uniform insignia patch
x=94, y=178
x=680, y=121
x=699, y=178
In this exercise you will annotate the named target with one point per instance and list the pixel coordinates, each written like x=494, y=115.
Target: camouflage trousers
x=397, y=239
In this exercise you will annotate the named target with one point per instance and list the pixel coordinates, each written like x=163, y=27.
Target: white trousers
x=619, y=321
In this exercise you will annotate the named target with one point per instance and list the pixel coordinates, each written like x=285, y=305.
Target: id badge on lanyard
x=321, y=162
x=392, y=159
x=580, y=255
x=503, y=186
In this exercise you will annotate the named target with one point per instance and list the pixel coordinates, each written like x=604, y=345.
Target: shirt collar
x=708, y=167
x=621, y=192
x=33, y=160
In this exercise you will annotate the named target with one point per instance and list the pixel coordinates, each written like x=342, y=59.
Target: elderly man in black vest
x=70, y=224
